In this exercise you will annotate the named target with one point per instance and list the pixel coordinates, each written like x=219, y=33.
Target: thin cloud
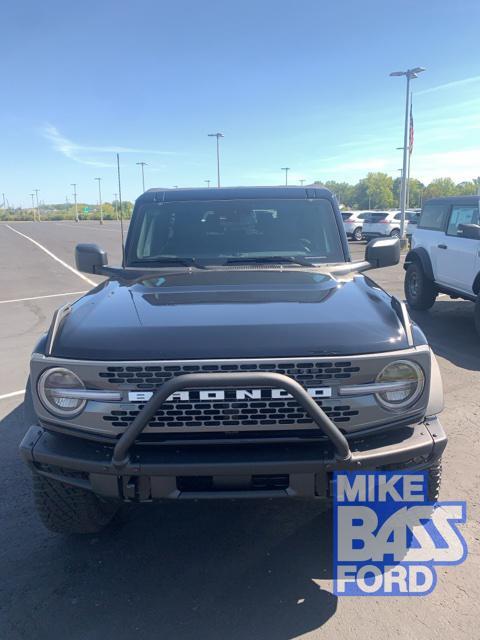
x=83, y=153
x=449, y=85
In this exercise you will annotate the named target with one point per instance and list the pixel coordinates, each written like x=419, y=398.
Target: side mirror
x=383, y=252
x=90, y=258
x=470, y=231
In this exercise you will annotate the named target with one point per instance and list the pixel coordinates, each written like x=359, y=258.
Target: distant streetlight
x=208, y=183
x=32, y=195
x=286, y=169
x=38, y=208
x=302, y=181
x=100, y=199
x=217, y=135
x=175, y=186
x=410, y=74
x=143, y=164
x=75, y=200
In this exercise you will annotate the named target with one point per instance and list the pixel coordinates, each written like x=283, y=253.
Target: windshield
x=221, y=230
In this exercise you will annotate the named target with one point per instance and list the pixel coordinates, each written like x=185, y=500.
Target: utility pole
x=33, y=206
x=410, y=74
x=75, y=200
x=100, y=199
x=217, y=135
x=142, y=164
x=286, y=169
x=38, y=207
x=3, y=197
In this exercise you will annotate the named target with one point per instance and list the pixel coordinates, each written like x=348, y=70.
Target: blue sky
x=301, y=83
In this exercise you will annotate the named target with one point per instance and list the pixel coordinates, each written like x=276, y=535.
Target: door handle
x=442, y=246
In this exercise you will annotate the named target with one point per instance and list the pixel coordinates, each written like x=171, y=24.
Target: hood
x=231, y=314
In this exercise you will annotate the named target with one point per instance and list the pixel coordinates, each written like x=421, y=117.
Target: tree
x=440, y=187
x=345, y=192
x=467, y=188
x=375, y=192
x=415, y=193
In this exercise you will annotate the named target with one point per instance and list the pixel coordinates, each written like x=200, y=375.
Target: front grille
x=309, y=373
x=230, y=414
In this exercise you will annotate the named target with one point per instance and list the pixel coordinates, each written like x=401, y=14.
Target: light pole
x=286, y=169
x=302, y=181
x=100, y=199
x=75, y=200
x=400, y=193
x=38, y=207
x=143, y=164
x=33, y=206
x=217, y=135
x=208, y=183
x=115, y=195
x=3, y=197
x=410, y=74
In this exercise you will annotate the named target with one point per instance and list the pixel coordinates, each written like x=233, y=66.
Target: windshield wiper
x=161, y=260
x=272, y=259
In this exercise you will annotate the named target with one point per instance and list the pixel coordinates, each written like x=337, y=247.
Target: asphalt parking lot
x=201, y=570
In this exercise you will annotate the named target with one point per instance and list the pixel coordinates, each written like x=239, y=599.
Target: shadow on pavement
x=181, y=570
x=450, y=330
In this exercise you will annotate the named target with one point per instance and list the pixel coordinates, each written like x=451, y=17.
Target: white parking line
x=52, y=255
x=51, y=295
x=12, y=395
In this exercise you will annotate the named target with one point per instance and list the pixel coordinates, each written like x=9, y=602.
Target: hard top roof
x=233, y=193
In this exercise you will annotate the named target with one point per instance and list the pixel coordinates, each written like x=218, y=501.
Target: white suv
x=445, y=254
x=353, y=223
x=384, y=223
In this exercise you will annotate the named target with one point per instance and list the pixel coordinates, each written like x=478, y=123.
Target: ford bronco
x=238, y=352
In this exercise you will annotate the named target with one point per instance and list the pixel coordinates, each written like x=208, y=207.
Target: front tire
x=434, y=481
x=420, y=291
x=357, y=234
x=69, y=510
x=395, y=233
x=477, y=314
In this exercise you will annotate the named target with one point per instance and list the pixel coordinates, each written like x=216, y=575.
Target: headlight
x=57, y=389
x=410, y=379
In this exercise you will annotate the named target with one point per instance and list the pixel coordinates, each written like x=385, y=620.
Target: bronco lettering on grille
x=229, y=394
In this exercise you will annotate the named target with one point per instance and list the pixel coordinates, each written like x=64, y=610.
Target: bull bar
x=227, y=380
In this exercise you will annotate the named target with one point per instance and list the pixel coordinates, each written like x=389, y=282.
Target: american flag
x=411, y=132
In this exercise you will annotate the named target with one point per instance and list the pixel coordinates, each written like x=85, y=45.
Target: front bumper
x=273, y=470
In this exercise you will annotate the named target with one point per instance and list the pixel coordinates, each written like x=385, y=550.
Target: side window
x=399, y=217
x=461, y=215
x=434, y=216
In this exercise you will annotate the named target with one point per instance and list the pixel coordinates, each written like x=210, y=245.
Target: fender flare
x=420, y=255
x=476, y=284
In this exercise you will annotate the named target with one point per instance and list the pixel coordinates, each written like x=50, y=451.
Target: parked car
x=413, y=218
x=237, y=352
x=445, y=254
x=384, y=223
x=353, y=223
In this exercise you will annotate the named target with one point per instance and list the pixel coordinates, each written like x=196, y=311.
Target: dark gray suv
x=238, y=352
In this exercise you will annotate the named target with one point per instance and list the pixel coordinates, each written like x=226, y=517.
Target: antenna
x=121, y=212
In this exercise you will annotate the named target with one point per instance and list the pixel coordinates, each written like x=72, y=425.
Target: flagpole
x=410, y=149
